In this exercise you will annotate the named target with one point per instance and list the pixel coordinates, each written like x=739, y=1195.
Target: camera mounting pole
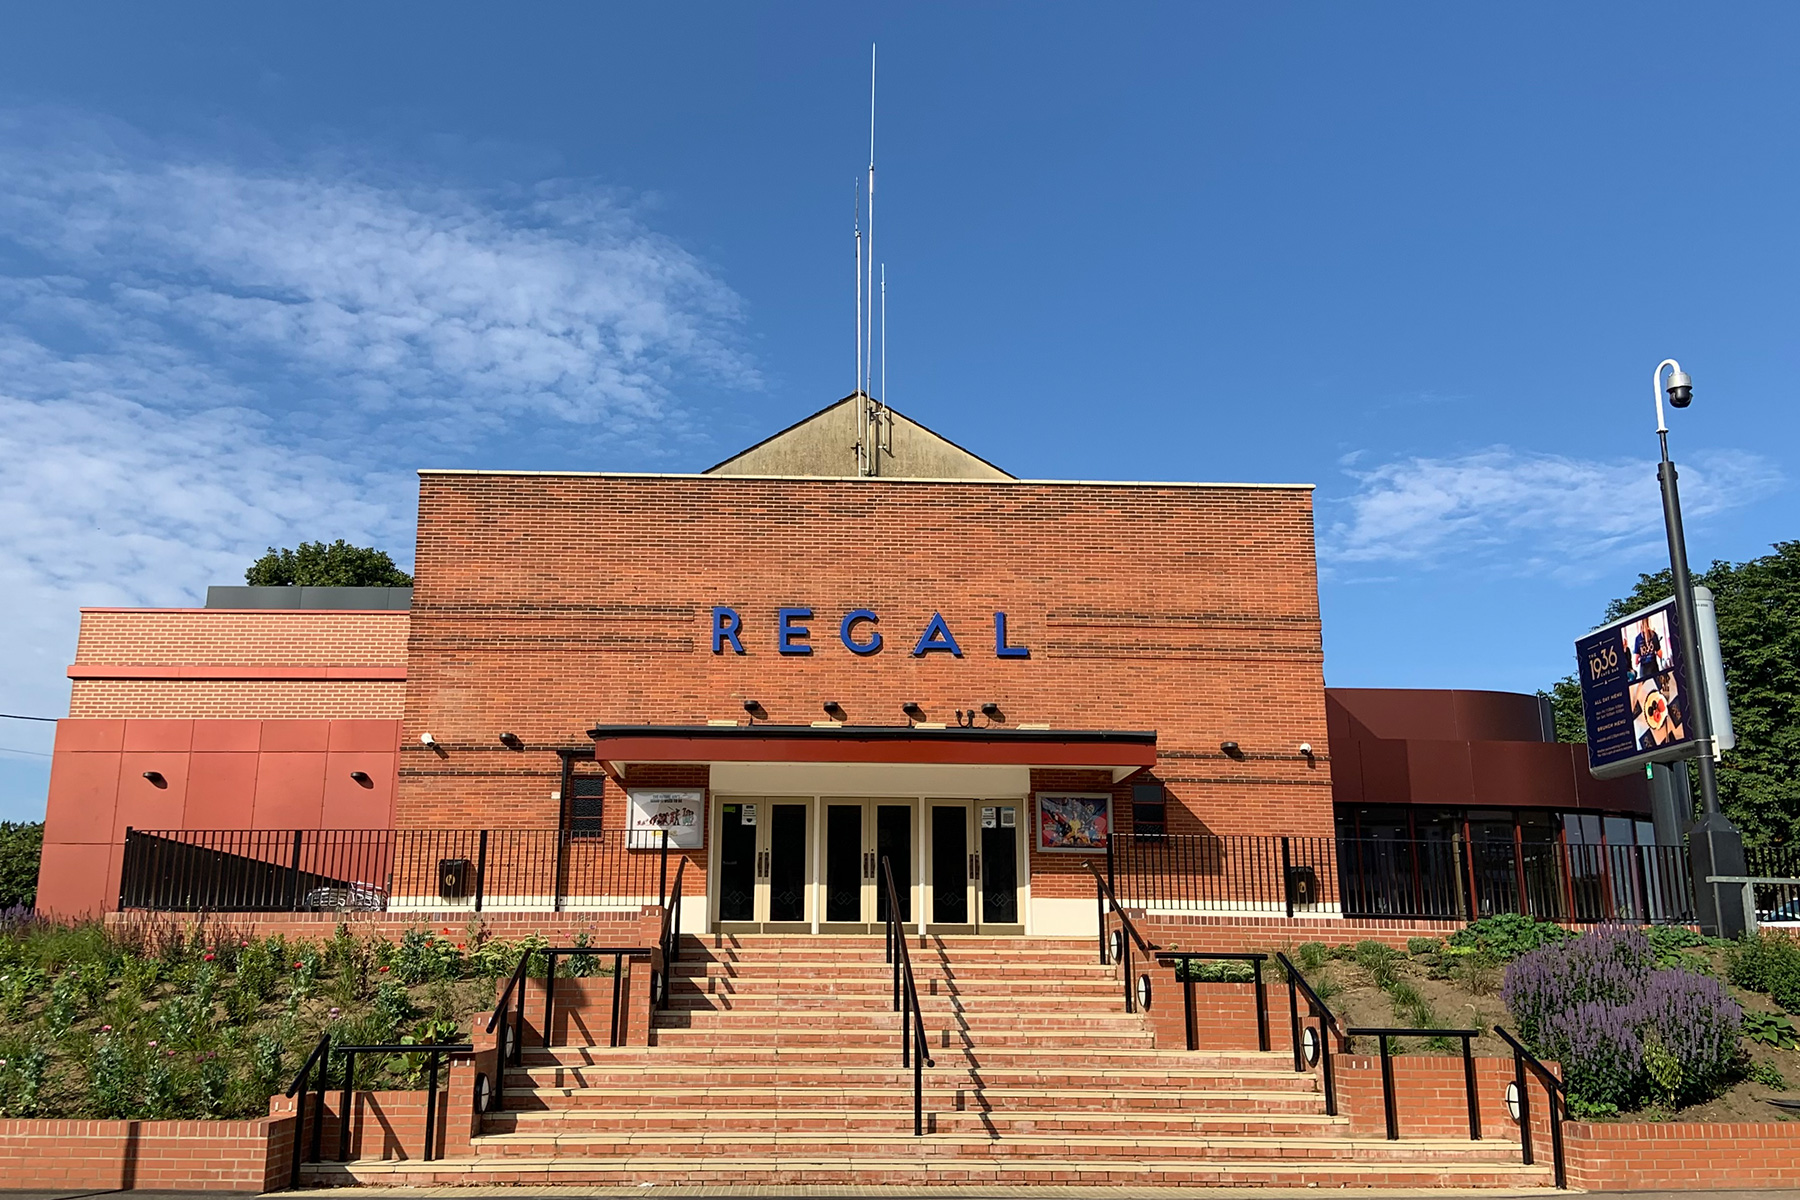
x=1714, y=845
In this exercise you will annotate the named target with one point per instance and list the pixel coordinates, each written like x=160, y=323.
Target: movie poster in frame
x=1074, y=822
x=678, y=811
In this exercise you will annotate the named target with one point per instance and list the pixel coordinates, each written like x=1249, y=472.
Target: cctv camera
x=1306, y=749
x=1681, y=389
x=428, y=739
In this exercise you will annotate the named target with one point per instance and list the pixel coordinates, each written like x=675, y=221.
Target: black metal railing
x=1123, y=938
x=913, y=1050
x=319, y=1061
x=1320, y=1047
x=293, y=870
x=1185, y=972
x=509, y=1011
x=1389, y=1106
x=1554, y=1096
x=670, y=939
x=1446, y=879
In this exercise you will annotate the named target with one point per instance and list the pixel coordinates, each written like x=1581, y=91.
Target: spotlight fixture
x=991, y=711
x=156, y=779
x=913, y=711
x=835, y=711
x=362, y=777
x=755, y=709
x=512, y=741
x=1232, y=749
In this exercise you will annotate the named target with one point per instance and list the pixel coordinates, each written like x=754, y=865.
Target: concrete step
x=949, y=1148
x=946, y=1094
x=897, y=1119
x=895, y=1167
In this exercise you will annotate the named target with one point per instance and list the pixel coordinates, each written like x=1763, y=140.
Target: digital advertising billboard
x=1634, y=692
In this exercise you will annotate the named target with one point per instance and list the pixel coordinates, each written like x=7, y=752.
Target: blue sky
x=258, y=264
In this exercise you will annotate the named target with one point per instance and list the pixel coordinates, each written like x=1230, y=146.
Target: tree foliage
x=1759, y=638
x=315, y=564
x=21, y=843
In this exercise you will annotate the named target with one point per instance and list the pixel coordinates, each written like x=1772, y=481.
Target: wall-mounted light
x=913, y=711
x=362, y=777
x=512, y=741
x=1231, y=750
x=156, y=779
x=835, y=711
x=756, y=710
x=991, y=711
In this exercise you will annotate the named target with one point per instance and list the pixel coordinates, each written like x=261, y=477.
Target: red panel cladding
x=1533, y=774
x=290, y=790
x=143, y=804
x=1386, y=776
x=349, y=804
x=382, y=737
x=284, y=736
x=76, y=734
x=1440, y=773
x=76, y=881
x=227, y=735
x=84, y=790
x=177, y=736
x=221, y=790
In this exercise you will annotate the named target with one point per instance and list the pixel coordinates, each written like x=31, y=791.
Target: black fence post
x=481, y=870
x=344, y=1114
x=1287, y=876
x=662, y=873
x=1469, y=1090
x=1524, y=1106
x=294, y=874
x=1387, y=1090
x=431, y=1104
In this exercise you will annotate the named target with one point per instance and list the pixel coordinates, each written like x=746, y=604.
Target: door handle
x=974, y=867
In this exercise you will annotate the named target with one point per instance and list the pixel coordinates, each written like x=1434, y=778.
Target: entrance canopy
x=909, y=756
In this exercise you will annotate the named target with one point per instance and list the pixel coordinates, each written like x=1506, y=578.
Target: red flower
x=384, y=970
x=297, y=966
x=208, y=957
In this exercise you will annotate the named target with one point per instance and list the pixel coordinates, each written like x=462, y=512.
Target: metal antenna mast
x=871, y=410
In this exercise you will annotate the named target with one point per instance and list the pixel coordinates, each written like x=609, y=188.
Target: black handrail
x=512, y=1025
x=1387, y=1073
x=1553, y=1088
x=1319, y=1010
x=1187, y=991
x=321, y=1056
x=913, y=1052
x=1103, y=897
x=671, y=933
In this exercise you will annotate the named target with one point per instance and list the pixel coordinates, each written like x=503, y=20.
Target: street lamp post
x=1714, y=845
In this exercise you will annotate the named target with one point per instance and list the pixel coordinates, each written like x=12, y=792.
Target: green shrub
x=1768, y=963
x=1771, y=1030
x=21, y=845
x=1767, y=1074
x=1505, y=936
x=1379, y=960
x=1424, y=945
x=1310, y=956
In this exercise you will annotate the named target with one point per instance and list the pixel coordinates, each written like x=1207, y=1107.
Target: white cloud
x=1528, y=512
x=200, y=359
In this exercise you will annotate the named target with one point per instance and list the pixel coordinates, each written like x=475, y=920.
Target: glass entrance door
x=764, y=864
x=858, y=835
x=973, y=884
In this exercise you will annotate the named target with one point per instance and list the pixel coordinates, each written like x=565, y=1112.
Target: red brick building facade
x=804, y=669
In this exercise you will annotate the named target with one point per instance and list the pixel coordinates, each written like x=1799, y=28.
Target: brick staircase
x=778, y=1062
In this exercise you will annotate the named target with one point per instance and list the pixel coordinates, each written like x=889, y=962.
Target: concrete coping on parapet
x=995, y=483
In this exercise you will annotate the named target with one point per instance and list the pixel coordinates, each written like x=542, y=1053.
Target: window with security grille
x=1149, y=810
x=586, y=793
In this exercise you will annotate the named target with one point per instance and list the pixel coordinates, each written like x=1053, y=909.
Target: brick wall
x=65, y=1156
x=264, y=637
x=1680, y=1155
x=544, y=604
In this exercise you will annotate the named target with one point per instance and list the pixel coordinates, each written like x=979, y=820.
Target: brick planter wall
x=1682, y=1155
x=228, y=1156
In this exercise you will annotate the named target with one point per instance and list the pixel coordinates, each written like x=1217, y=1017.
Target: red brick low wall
x=602, y=928
x=1431, y=1097
x=226, y=1156
x=1682, y=1155
x=1235, y=933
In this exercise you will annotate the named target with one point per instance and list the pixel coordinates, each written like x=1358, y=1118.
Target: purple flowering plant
x=1625, y=1031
